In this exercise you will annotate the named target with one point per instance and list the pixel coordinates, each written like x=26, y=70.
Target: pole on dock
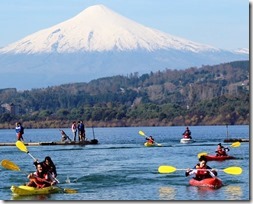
x=227, y=131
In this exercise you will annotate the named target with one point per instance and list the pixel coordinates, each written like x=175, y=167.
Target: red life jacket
x=41, y=180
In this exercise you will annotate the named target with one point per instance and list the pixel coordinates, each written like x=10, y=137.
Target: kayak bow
x=208, y=182
x=217, y=158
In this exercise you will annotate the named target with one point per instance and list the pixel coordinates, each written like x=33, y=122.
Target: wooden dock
x=91, y=142
x=236, y=140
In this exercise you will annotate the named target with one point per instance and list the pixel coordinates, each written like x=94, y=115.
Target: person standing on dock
x=19, y=131
x=81, y=131
x=74, y=130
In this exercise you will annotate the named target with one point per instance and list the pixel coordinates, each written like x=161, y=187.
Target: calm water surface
x=121, y=168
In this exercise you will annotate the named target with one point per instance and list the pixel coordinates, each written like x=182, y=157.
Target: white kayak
x=186, y=140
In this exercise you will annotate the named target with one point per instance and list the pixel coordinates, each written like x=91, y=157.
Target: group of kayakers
x=45, y=174
x=201, y=170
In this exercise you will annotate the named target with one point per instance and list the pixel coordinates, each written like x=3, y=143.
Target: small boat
x=27, y=190
x=208, y=182
x=148, y=144
x=186, y=140
x=217, y=158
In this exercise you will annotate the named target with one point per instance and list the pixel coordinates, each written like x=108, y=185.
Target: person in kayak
x=48, y=166
x=221, y=151
x=40, y=178
x=201, y=170
x=187, y=133
x=150, y=140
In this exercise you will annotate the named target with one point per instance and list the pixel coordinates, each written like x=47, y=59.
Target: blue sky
x=220, y=23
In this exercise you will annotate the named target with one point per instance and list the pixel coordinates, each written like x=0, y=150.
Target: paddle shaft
x=230, y=170
x=21, y=146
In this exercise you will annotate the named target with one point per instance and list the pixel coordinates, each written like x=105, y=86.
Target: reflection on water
x=167, y=193
x=233, y=192
x=30, y=197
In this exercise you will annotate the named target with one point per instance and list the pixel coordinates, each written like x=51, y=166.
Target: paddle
x=235, y=144
x=21, y=146
x=143, y=134
x=234, y=170
x=7, y=164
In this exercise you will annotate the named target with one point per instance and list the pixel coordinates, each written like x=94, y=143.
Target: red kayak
x=208, y=182
x=217, y=158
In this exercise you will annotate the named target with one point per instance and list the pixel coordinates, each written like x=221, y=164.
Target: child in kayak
x=40, y=178
x=201, y=170
x=221, y=151
x=187, y=133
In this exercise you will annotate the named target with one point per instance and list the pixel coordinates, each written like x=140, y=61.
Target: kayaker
x=150, y=140
x=40, y=179
x=201, y=170
x=187, y=133
x=221, y=151
x=48, y=165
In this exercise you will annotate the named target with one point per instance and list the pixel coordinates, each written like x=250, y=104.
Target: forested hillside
x=209, y=95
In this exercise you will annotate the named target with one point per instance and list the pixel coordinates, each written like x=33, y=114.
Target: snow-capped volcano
x=97, y=43
x=98, y=28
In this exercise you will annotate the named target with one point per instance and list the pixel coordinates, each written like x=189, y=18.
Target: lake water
x=121, y=168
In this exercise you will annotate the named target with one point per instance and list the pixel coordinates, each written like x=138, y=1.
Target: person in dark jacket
x=187, y=133
x=19, y=131
x=81, y=131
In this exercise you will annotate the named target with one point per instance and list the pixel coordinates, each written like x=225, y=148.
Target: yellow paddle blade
x=69, y=190
x=9, y=165
x=142, y=133
x=20, y=145
x=201, y=154
x=235, y=170
x=236, y=144
x=166, y=169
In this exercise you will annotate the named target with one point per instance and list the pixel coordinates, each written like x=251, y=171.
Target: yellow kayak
x=148, y=144
x=27, y=190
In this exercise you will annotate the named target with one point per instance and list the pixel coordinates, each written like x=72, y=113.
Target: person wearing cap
x=187, y=133
x=221, y=151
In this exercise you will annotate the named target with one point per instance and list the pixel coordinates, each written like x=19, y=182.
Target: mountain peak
x=98, y=29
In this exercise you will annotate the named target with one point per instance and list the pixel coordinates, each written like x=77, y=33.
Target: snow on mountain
x=98, y=28
x=242, y=51
x=98, y=43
